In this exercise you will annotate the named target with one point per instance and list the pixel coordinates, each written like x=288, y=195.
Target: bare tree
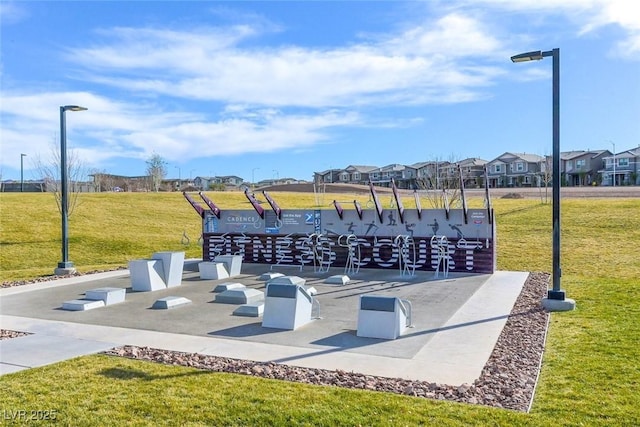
x=440, y=182
x=49, y=170
x=546, y=176
x=157, y=170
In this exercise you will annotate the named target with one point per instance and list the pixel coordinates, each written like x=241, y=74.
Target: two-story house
x=582, y=167
x=515, y=170
x=472, y=170
x=355, y=174
x=622, y=168
x=404, y=176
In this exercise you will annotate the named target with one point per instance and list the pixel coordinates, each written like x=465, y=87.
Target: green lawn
x=590, y=374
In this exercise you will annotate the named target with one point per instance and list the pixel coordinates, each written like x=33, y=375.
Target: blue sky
x=282, y=89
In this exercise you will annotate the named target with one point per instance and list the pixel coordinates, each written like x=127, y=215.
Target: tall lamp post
x=253, y=176
x=613, y=181
x=22, y=172
x=555, y=300
x=65, y=266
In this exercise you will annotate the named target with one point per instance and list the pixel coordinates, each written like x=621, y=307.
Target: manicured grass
x=590, y=375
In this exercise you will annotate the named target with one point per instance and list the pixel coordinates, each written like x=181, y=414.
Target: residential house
x=110, y=182
x=404, y=176
x=355, y=174
x=472, y=170
x=582, y=167
x=516, y=170
x=622, y=168
x=428, y=174
x=207, y=182
x=328, y=176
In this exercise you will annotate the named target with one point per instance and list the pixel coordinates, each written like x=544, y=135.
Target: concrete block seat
x=108, y=295
x=383, y=317
x=170, y=302
x=82, y=304
x=287, y=306
x=210, y=270
x=147, y=275
x=240, y=296
x=287, y=280
x=172, y=264
x=232, y=263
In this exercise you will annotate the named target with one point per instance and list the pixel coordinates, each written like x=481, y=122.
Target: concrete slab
x=456, y=322
x=82, y=304
x=107, y=295
x=42, y=349
x=338, y=279
x=270, y=275
x=288, y=280
x=170, y=302
x=228, y=286
x=240, y=296
x=250, y=310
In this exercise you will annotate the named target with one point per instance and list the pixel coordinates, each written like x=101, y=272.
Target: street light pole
x=555, y=300
x=65, y=266
x=614, y=164
x=22, y=172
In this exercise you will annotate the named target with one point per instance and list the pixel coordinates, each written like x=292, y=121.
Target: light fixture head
x=73, y=108
x=528, y=56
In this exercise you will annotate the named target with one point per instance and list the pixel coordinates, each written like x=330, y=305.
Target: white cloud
x=109, y=130
x=208, y=64
x=587, y=15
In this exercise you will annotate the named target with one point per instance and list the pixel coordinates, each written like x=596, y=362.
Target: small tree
x=157, y=170
x=49, y=170
x=546, y=176
x=441, y=183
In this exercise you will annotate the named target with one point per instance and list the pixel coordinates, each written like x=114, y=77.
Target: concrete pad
x=82, y=304
x=41, y=349
x=228, y=286
x=240, y=296
x=170, y=302
x=108, y=295
x=250, y=310
x=457, y=322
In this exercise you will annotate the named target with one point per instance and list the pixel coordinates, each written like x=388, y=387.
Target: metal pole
x=22, y=172
x=65, y=266
x=64, y=205
x=614, y=164
x=556, y=293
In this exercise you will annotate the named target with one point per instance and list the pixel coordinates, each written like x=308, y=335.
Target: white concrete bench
x=108, y=295
x=232, y=263
x=287, y=306
x=383, y=316
x=212, y=270
x=172, y=264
